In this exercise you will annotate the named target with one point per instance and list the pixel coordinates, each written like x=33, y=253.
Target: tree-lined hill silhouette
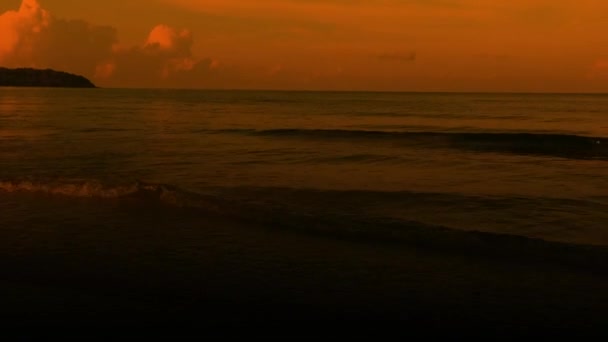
x=28, y=77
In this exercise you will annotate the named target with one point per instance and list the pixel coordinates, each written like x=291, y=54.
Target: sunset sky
x=401, y=45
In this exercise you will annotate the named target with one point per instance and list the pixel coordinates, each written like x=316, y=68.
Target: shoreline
x=228, y=278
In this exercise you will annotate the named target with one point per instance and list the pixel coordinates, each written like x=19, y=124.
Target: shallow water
x=531, y=165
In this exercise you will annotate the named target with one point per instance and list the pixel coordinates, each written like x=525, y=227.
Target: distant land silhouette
x=28, y=77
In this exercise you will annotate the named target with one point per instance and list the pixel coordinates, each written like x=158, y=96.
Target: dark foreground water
x=214, y=212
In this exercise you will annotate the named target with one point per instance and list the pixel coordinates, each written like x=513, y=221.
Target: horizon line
x=470, y=92
x=513, y=92
x=363, y=91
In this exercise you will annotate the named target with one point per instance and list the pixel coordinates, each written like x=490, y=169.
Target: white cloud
x=33, y=37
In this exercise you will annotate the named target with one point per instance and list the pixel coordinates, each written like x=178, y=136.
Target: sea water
x=136, y=177
x=520, y=164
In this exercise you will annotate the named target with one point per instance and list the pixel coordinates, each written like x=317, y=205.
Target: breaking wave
x=78, y=189
x=356, y=228
x=557, y=145
x=93, y=189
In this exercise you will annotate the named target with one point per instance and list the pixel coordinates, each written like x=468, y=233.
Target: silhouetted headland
x=27, y=77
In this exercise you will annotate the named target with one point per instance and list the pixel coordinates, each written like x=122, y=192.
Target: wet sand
x=162, y=276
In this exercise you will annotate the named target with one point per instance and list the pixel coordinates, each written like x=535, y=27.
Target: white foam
x=83, y=189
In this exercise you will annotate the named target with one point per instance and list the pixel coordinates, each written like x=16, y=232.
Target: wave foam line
x=334, y=226
x=84, y=189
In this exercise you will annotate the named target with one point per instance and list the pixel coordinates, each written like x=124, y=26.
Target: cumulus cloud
x=17, y=26
x=165, y=52
x=33, y=37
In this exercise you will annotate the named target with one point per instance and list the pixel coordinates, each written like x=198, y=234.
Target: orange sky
x=410, y=45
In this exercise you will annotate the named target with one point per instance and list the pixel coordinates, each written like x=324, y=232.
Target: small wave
x=105, y=130
x=545, y=144
x=94, y=189
x=337, y=225
x=81, y=189
x=357, y=158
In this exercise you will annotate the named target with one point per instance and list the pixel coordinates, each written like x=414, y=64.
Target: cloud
x=16, y=26
x=33, y=37
x=599, y=70
x=398, y=57
x=493, y=56
x=165, y=52
x=37, y=39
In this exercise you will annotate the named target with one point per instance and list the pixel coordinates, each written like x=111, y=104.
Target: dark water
x=137, y=175
x=529, y=165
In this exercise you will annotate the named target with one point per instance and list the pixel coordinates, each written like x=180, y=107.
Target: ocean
x=224, y=209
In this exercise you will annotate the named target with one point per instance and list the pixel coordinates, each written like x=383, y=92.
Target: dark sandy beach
x=172, y=278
